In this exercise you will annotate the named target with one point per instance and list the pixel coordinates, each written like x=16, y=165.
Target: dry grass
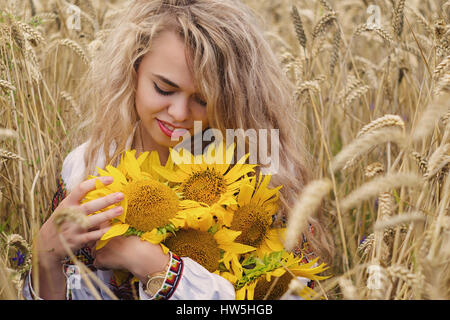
x=374, y=100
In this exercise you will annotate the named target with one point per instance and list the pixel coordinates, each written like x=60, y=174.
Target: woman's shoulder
x=73, y=167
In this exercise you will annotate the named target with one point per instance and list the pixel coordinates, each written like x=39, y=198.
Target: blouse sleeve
x=188, y=280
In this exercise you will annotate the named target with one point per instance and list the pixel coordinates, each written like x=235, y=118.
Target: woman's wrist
x=151, y=261
x=47, y=256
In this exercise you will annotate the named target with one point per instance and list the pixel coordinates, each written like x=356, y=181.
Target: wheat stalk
x=34, y=36
x=399, y=220
x=398, y=17
x=364, y=143
x=366, y=246
x=354, y=94
x=421, y=161
x=44, y=16
x=387, y=120
x=7, y=85
x=7, y=133
x=10, y=155
x=443, y=85
x=379, y=185
x=323, y=24
x=385, y=205
x=298, y=25
x=335, y=53
x=439, y=159
x=435, y=110
x=351, y=83
x=377, y=29
x=306, y=206
x=421, y=19
x=17, y=35
x=76, y=48
x=67, y=97
x=373, y=169
x=326, y=5
x=405, y=274
x=441, y=68
x=312, y=85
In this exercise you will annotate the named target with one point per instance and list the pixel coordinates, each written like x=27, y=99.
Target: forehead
x=167, y=57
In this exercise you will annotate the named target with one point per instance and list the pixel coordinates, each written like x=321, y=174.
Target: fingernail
x=107, y=179
x=118, y=210
x=119, y=196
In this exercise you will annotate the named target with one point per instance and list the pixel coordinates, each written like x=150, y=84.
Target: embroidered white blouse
x=185, y=278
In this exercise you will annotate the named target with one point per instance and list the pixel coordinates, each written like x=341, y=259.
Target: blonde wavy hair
x=233, y=67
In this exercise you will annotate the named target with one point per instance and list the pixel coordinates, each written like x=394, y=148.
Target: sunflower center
x=263, y=286
x=151, y=204
x=200, y=246
x=204, y=186
x=254, y=222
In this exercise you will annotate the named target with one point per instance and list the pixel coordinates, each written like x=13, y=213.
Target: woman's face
x=166, y=99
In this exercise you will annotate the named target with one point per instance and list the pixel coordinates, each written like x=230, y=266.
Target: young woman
x=168, y=64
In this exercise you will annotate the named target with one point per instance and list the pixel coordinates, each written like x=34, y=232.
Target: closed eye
x=160, y=91
x=200, y=101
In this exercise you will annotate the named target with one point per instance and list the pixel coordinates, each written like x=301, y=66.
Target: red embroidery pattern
x=172, y=279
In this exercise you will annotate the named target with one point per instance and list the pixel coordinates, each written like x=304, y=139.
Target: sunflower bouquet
x=202, y=207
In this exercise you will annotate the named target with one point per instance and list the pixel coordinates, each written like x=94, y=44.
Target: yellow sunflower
x=151, y=208
x=253, y=216
x=208, y=179
x=255, y=281
x=207, y=243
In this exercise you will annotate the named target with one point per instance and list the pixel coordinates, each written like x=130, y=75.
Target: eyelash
x=160, y=91
x=168, y=93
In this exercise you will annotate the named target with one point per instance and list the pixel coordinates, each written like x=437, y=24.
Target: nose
x=179, y=109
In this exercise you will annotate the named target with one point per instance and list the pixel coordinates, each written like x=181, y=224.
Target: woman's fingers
x=103, y=202
x=93, y=235
x=83, y=188
x=98, y=219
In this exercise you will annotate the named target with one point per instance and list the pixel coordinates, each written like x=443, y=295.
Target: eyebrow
x=164, y=79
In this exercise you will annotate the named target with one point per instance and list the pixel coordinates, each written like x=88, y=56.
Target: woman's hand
x=50, y=249
x=76, y=236
x=131, y=253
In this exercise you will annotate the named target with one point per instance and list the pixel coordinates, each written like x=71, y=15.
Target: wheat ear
x=306, y=206
x=387, y=120
x=364, y=143
x=379, y=185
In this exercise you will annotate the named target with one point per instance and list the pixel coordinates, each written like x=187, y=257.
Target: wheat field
x=372, y=83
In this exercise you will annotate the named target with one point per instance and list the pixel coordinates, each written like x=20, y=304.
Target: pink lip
x=176, y=133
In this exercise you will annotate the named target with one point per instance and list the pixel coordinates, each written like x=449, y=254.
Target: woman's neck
x=143, y=142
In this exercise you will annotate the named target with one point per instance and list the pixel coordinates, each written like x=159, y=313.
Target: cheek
x=148, y=103
x=200, y=114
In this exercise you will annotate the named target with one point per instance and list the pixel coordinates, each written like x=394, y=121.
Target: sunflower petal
x=240, y=294
x=170, y=175
x=153, y=237
x=164, y=248
x=132, y=166
x=245, y=194
x=116, y=230
x=101, y=244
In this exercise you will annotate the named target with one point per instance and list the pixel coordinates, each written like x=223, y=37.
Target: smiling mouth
x=170, y=130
